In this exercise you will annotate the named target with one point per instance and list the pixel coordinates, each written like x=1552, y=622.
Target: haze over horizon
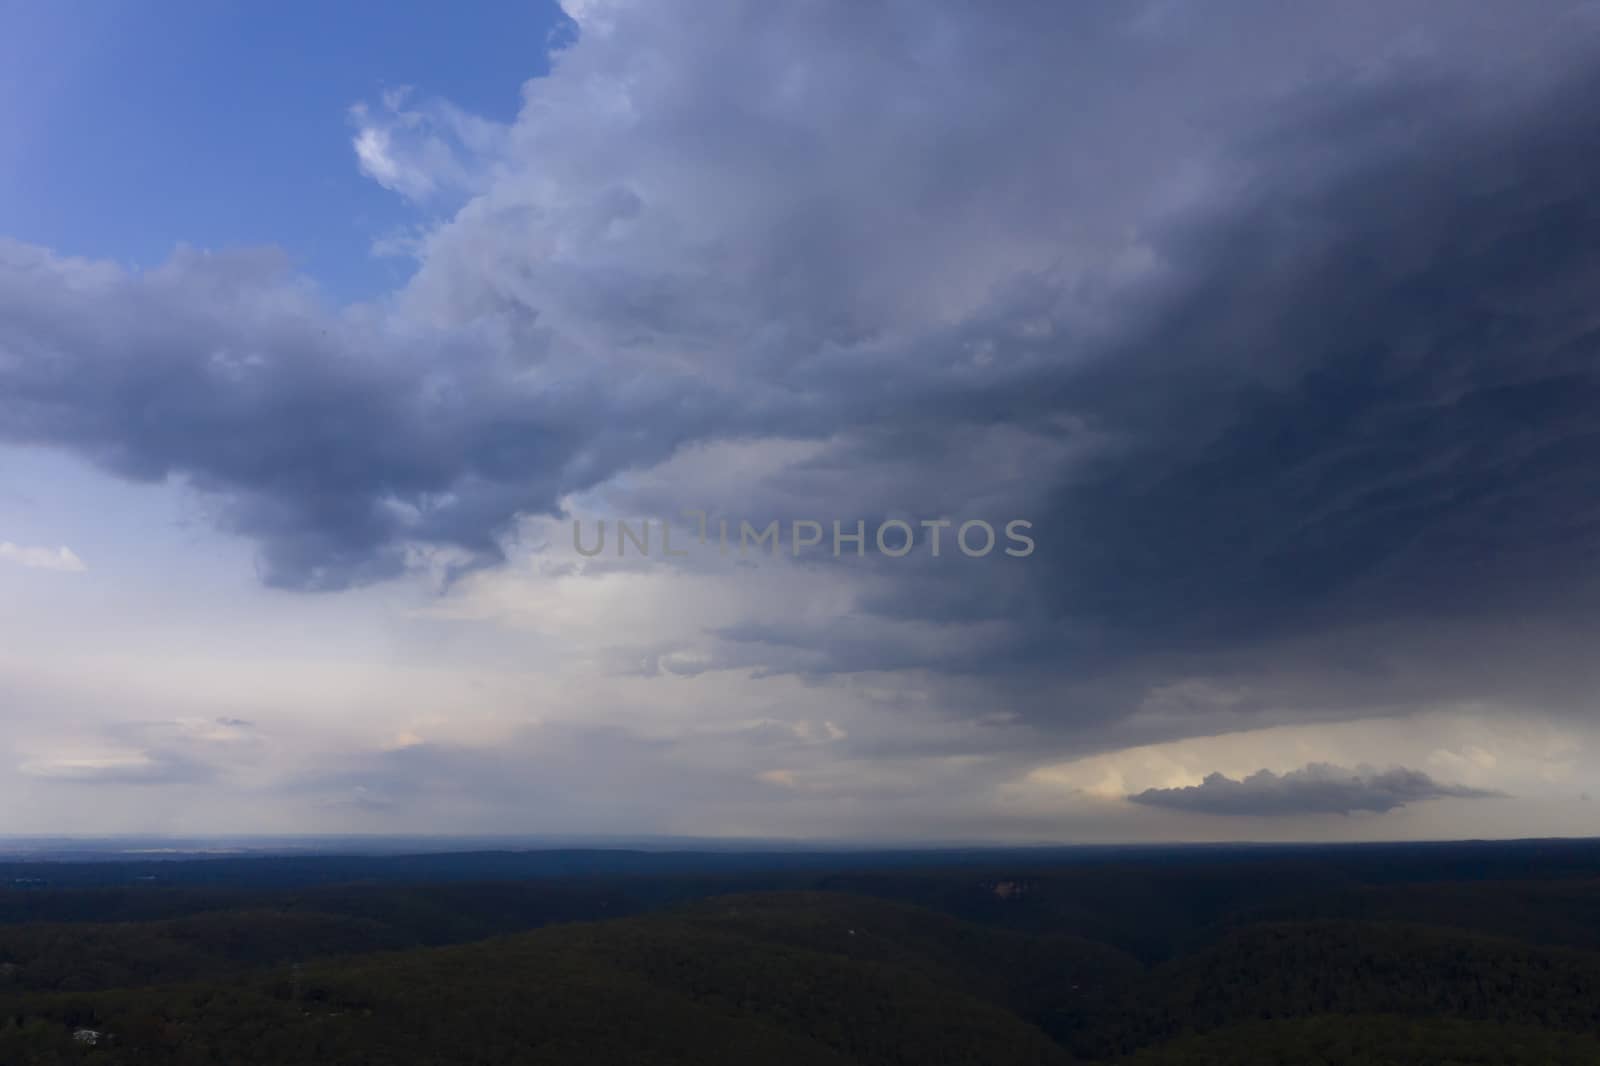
x=1275, y=324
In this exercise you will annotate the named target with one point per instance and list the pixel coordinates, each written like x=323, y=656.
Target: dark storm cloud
x=331, y=441
x=1317, y=789
x=1358, y=415
x=1356, y=385
x=1379, y=396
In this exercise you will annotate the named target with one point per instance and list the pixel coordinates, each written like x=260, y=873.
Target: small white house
x=88, y=1036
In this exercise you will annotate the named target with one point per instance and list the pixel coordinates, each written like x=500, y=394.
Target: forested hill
x=1318, y=957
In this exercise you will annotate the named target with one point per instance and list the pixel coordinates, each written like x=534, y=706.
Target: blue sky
x=1273, y=320
x=134, y=126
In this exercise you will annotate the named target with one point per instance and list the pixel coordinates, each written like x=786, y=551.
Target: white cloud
x=423, y=152
x=63, y=558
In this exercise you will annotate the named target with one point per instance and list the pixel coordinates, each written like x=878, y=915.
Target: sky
x=1213, y=388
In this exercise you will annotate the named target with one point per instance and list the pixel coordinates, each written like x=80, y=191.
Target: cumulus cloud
x=1320, y=788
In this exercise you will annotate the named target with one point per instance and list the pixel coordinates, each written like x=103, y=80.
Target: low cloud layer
x=1319, y=788
x=62, y=558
